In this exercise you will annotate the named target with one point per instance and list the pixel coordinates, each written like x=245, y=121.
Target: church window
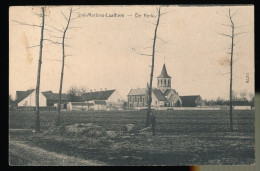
x=165, y=82
x=140, y=99
x=161, y=82
x=168, y=82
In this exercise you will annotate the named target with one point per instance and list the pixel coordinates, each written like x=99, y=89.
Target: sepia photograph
x=131, y=85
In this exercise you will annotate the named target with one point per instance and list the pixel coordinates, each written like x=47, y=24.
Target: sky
x=105, y=51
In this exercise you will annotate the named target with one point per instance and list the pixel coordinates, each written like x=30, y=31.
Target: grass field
x=183, y=137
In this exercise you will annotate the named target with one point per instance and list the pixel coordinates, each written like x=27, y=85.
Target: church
x=162, y=96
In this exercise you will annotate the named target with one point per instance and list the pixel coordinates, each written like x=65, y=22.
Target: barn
x=104, y=100
x=52, y=99
x=191, y=101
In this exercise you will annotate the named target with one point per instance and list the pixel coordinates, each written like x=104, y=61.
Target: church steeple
x=164, y=73
x=164, y=80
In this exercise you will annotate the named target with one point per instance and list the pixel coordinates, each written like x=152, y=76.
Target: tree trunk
x=147, y=123
x=62, y=68
x=37, y=113
x=231, y=74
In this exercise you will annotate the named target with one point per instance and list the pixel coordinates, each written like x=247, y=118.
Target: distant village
x=164, y=97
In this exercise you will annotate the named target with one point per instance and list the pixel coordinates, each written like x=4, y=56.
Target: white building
x=27, y=98
x=104, y=100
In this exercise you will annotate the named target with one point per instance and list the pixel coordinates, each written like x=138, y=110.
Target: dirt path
x=22, y=154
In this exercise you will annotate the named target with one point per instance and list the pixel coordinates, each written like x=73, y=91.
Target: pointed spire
x=164, y=73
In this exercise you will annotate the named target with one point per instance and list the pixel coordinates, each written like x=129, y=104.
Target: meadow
x=182, y=137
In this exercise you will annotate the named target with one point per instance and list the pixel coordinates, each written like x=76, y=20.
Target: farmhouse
x=162, y=96
x=191, y=101
x=52, y=99
x=27, y=98
x=104, y=100
x=47, y=98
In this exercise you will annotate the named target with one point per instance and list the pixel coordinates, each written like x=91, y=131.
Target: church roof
x=159, y=95
x=142, y=91
x=164, y=73
x=139, y=91
x=168, y=91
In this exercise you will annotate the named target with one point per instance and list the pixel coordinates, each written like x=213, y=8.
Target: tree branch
x=141, y=53
x=167, y=12
x=33, y=46
x=74, y=18
x=222, y=34
x=47, y=29
x=37, y=14
x=33, y=25
x=73, y=27
x=75, y=9
x=60, y=37
x=52, y=41
x=57, y=29
x=239, y=33
x=148, y=47
x=226, y=25
x=64, y=16
x=150, y=22
x=161, y=39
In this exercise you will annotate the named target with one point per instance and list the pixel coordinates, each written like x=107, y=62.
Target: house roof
x=189, y=100
x=164, y=73
x=159, y=95
x=102, y=102
x=49, y=91
x=19, y=94
x=97, y=95
x=54, y=96
x=23, y=94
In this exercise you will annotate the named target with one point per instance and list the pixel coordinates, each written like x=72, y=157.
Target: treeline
x=222, y=102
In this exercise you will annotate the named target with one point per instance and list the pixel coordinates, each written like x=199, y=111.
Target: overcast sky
x=105, y=49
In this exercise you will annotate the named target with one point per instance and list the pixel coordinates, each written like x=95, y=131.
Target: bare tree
x=147, y=123
x=63, y=60
x=243, y=95
x=37, y=112
x=159, y=14
x=75, y=93
x=64, y=32
x=231, y=36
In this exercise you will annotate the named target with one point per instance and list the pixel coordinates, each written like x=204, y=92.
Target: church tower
x=164, y=80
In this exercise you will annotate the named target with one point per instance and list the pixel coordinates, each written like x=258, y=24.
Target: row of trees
x=63, y=31
x=68, y=18
x=236, y=96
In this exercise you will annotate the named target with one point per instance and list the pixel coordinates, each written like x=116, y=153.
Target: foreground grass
x=183, y=137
